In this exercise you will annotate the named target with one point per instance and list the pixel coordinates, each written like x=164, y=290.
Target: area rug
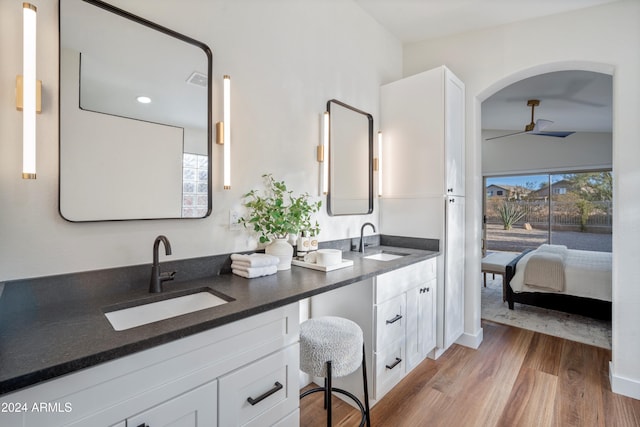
x=569, y=326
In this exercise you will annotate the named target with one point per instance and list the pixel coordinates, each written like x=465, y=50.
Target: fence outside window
x=564, y=214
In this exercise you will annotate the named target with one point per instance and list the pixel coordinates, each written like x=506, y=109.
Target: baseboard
x=305, y=379
x=471, y=341
x=436, y=352
x=466, y=340
x=624, y=386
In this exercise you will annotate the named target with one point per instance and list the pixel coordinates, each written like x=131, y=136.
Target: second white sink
x=143, y=314
x=384, y=256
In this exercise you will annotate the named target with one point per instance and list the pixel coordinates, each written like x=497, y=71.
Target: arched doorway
x=528, y=74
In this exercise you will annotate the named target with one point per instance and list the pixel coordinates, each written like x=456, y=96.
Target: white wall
x=529, y=153
x=286, y=59
x=603, y=39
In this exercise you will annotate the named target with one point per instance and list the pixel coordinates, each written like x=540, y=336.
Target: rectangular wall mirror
x=135, y=117
x=350, y=160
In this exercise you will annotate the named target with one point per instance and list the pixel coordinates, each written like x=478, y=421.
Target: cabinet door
x=413, y=348
x=421, y=323
x=453, y=314
x=427, y=319
x=412, y=117
x=454, y=135
x=192, y=409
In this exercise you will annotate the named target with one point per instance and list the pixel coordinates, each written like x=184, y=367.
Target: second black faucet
x=157, y=278
x=362, y=245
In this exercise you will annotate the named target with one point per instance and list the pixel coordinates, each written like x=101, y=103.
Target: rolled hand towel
x=255, y=260
x=252, y=272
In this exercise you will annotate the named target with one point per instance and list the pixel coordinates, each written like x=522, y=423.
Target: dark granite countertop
x=58, y=327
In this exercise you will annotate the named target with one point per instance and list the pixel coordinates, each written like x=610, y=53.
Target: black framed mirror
x=350, y=160
x=121, y=156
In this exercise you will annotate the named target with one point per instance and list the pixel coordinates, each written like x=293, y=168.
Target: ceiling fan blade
x=537, y=127
x=541, y=124
x=554, y=134
x=504, y=136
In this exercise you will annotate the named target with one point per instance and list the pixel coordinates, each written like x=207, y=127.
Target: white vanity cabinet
x=204, y=379
x=422, y=120
x=397, y=320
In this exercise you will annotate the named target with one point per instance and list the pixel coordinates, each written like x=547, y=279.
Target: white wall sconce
x=323, y=154
x=223, y=132
x=28, y=92
x=377, y=164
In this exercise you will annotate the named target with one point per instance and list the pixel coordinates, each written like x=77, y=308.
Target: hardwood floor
x=516, y=378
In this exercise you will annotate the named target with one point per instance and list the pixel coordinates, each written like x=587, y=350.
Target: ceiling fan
x=536, y=127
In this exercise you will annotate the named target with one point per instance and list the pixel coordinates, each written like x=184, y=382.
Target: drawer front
x=390, y=368
x=398, y=281
x=390, y=321
x=291, y=420
x=262, y=392
x=196, y=407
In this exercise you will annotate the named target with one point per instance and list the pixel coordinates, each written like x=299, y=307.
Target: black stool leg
x=366, y=386
x=326, y=387
x=328, y=393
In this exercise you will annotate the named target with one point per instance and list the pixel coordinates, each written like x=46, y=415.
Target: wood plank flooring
x=516, y=378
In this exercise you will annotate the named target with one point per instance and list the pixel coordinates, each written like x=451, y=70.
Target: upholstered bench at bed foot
x=496, y=263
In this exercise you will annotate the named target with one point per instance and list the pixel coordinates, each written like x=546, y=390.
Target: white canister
x=303, y=245
x=313, y=243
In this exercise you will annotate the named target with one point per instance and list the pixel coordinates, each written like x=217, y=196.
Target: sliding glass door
x=525, y=211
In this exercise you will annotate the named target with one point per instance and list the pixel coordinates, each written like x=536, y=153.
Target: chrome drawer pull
x=277, y=386
x=395, y=319
x=394, y=364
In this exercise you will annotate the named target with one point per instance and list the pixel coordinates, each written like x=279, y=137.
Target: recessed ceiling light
x=143, y=99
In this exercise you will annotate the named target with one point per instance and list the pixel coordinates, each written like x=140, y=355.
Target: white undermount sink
x=143, y=314
x=385, y=256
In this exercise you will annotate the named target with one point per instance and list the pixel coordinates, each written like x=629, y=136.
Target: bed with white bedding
x=558, y=278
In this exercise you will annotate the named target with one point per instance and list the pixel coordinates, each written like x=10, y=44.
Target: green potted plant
x=277, y=213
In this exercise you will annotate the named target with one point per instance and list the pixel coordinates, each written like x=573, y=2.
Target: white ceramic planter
x=283, y=250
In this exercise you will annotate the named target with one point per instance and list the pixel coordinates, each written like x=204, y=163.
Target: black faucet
x=155, y=286
x=362, y=235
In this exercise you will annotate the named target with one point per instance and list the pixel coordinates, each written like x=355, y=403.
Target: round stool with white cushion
x=332, y=347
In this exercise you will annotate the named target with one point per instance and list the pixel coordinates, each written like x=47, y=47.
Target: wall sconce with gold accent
x=223, y=132
x=28, y=91
x=323, y=154
x=377, y=164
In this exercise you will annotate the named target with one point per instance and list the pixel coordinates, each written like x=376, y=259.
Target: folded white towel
x=252, y=272
x=255, y=260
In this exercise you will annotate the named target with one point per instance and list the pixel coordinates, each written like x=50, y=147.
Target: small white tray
x=343, y=264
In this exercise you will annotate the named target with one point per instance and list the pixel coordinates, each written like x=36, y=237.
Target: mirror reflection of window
x=195, y=185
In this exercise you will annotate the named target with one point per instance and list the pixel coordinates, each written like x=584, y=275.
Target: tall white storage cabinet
x=422, y=121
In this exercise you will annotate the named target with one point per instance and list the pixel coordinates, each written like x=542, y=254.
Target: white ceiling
x=573, y=100
x=416, y=20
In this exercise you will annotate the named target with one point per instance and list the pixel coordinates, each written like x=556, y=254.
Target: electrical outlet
x=234, y=220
